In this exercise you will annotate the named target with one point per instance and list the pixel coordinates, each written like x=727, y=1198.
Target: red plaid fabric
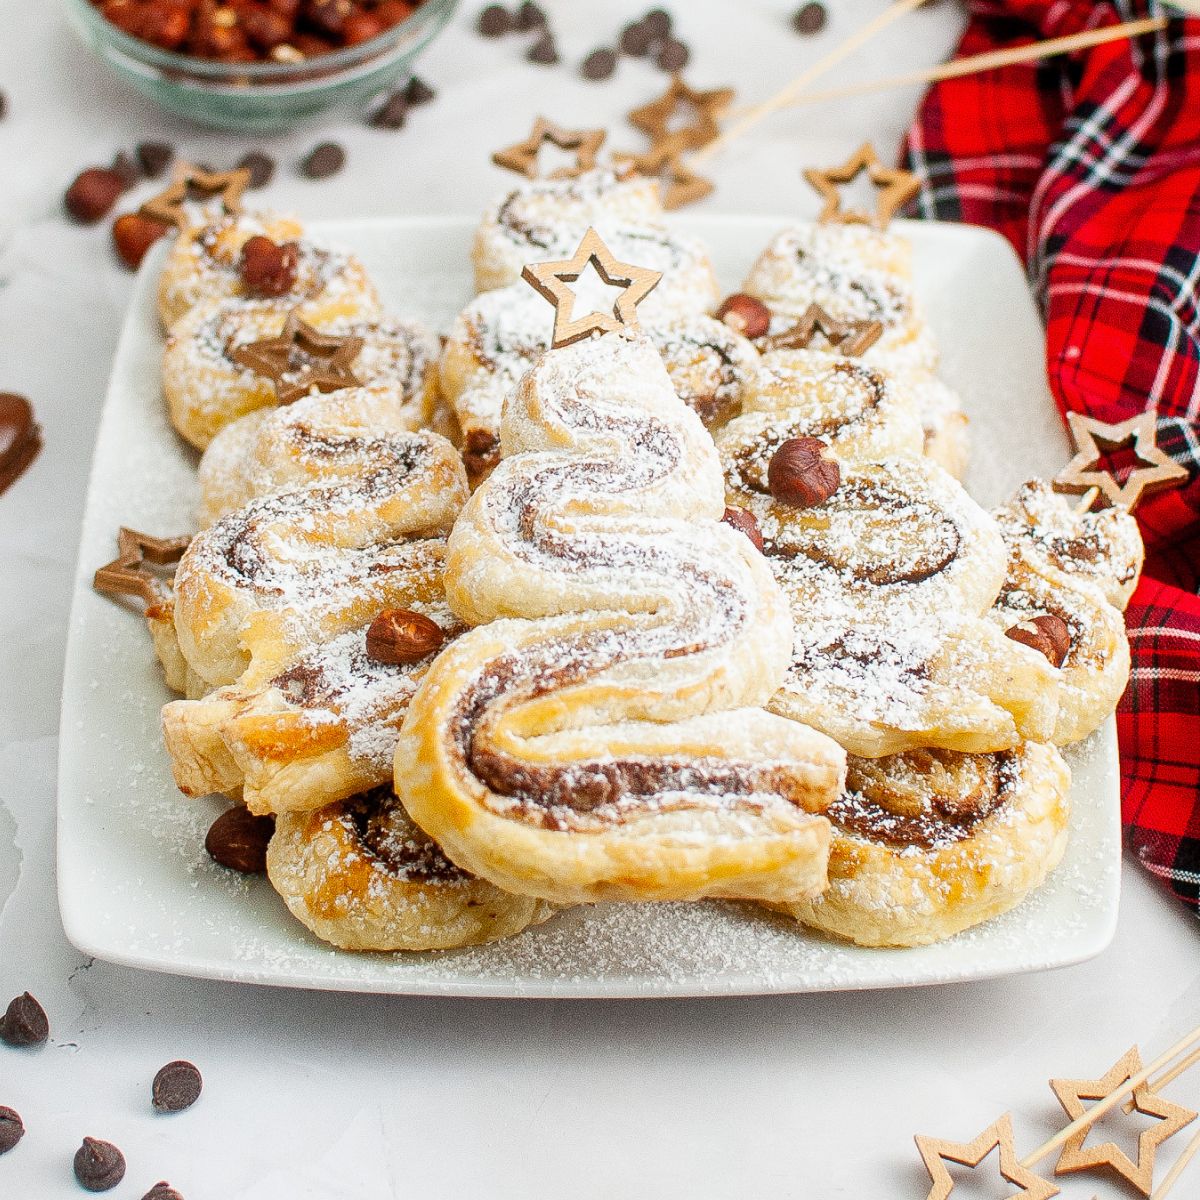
x=1090, y=166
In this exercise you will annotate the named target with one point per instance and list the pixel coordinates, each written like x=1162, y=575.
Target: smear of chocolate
x=20, y=438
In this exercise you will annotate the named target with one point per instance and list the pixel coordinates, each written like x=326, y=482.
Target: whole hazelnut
x=93, y=193
x=744, y=314
x=133, y=234
x=1048, y=634
x=269, y=268
x=800, y=475
x=399, y=635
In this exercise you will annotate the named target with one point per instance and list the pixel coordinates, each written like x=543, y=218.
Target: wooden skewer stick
x=987, y=61
x=1189, y=1152
x=1157, y=1085
x=1110, y=1101
x=785, y=95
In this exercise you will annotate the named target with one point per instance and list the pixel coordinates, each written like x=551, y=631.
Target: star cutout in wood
x=128, y=574
x=1075, y=1156
x=936, y=1152
x=664, y=161
x=169, y=206
x=1090, y=435
x=302, y=358
x=552, y=280
x=850, y=338
x=657, y=118
x=895, y=188
x=522, y=157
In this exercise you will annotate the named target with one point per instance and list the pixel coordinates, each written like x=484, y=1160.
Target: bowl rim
x=215, y=77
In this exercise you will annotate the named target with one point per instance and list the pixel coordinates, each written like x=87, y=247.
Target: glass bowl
x=264, y=97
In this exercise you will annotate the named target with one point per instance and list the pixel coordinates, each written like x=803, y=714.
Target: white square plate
x=136, y=887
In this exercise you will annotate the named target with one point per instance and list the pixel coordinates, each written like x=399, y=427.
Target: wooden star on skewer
x=302, y=358
x=894, y=188
x=170, y=206
x=936, y=1152
x=128, y=573
x=522, y=156
x=658, y=118
x=664, y=161
x=1172, y=1118
x=552, y=280
x=850, y=338
x=1090, y=435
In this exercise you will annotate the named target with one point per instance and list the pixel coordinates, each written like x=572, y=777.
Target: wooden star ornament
x=936, y=1152
x=664, y=161
x=894, y=188
x=553, y=279
x=850, y=338
x=1076, y=1156
x=129, y=573
x=302, y=358
x=170, y=206
x=683, y=112
x=522, y=156
x=1092, y=437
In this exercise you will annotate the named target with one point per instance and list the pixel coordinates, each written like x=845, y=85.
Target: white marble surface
x=312, y=1095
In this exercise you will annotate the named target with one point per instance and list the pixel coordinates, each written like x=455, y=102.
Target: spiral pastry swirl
x=931, y=842
x=206, y=389
x=203, y=265
x=342, y=521
x=853, y=272
x=889, y=581
x=501, y=333
x=362, y=876
x=598, y=735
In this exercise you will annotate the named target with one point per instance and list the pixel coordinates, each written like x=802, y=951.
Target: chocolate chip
x=636, y=40
x=417, y=92
x=162, y=1190
x=392, y=113
x=529, y=16
x=494, y=21
x=261, y=167
x=325, y=159
x=3, y=105
x=154, y=158
x=25, y=1022
x=672, y=55
x=12, y=1128
x=658, y=22
x=129, y=171
x=600, y=64
x=543, y=51
x=176, y=1086
x=99, y=1166
x=238, y=840
x=810, y=18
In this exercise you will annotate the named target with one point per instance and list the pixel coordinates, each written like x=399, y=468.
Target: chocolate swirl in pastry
x=889, y=580
x=528, y=223
x=1099, y=549
x=598, y=735
x=204, y=265
x=859, y=411
x=853, y=272
x=272, y=603
x=1076, y=567
x=499, y=334
x=206, y=389
x=362, y=876
x=931, y=842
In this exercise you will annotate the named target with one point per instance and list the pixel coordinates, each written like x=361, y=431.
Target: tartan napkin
x=1090, y=165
